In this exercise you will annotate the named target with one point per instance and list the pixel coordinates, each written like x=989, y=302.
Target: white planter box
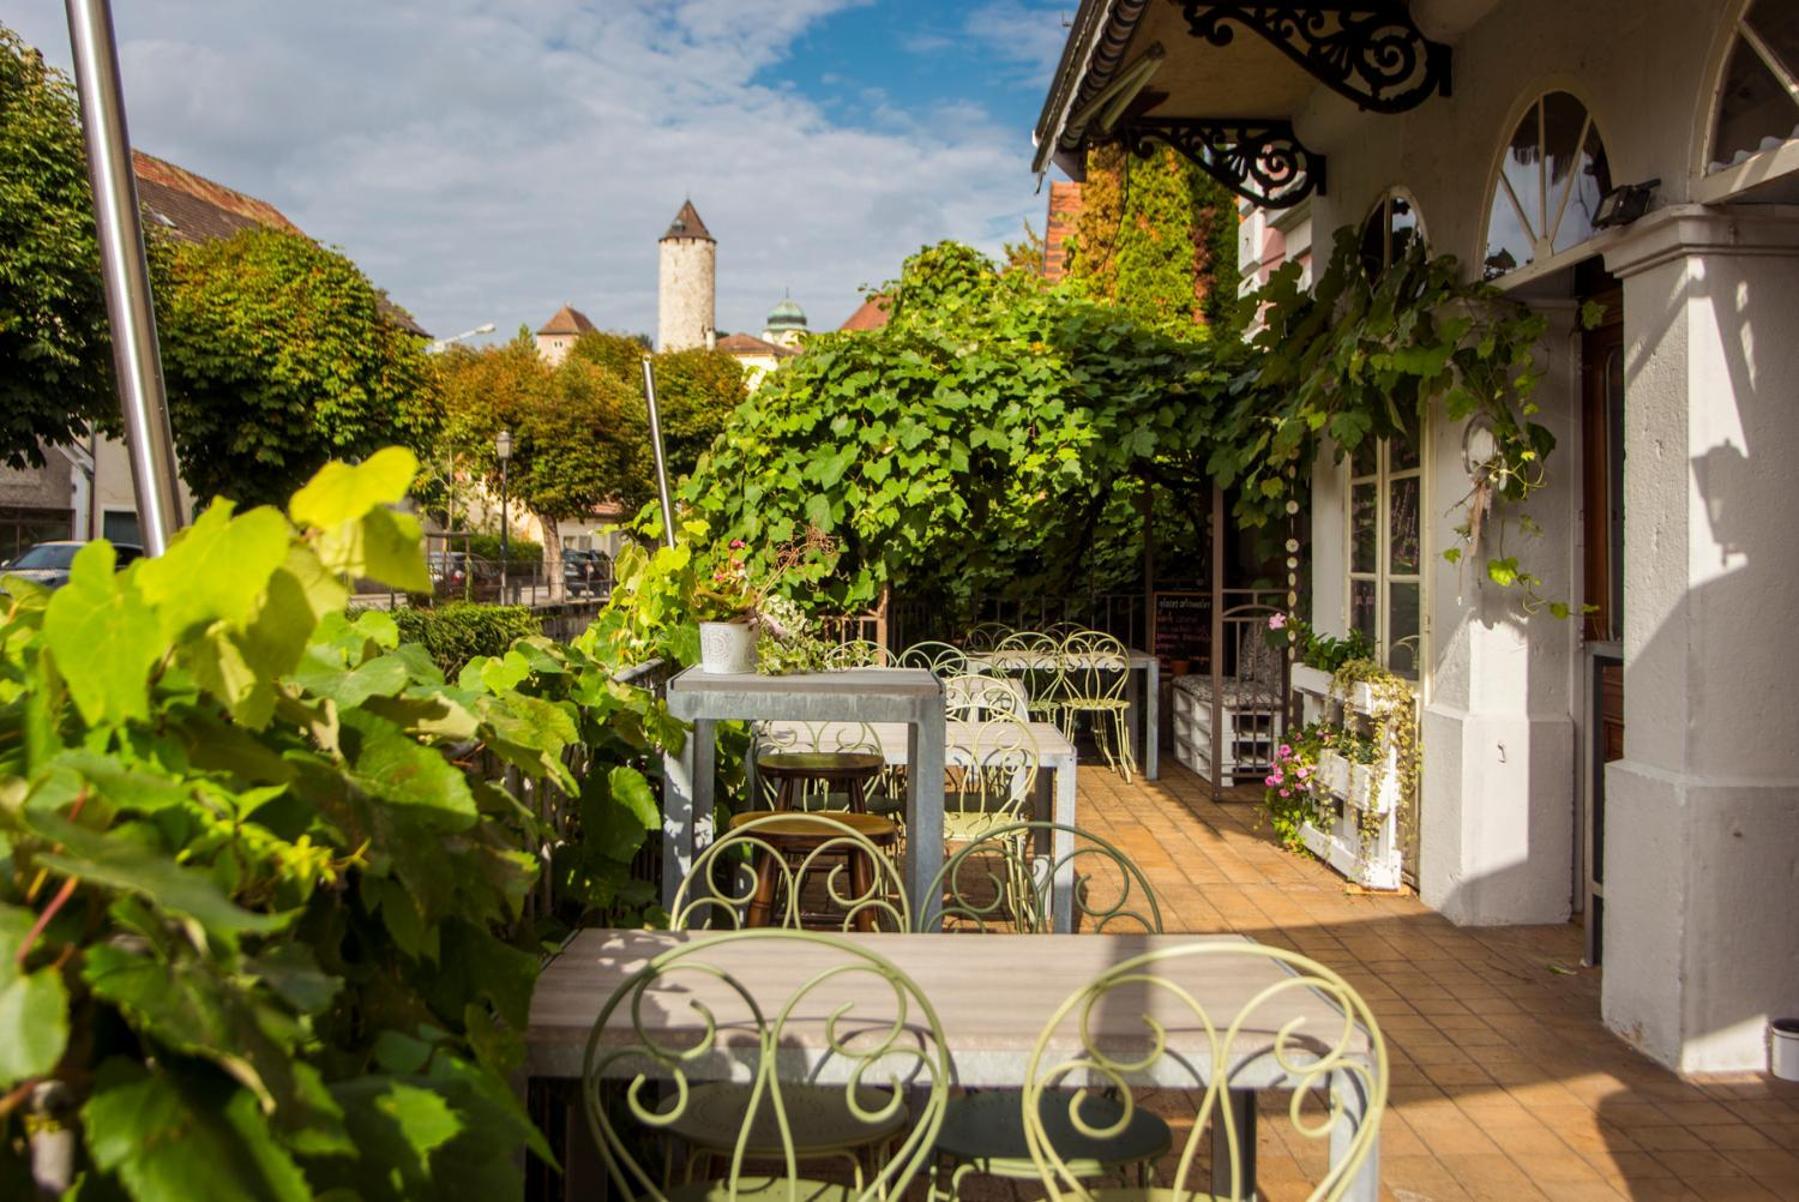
x=1333, y=773
x=1313, y=681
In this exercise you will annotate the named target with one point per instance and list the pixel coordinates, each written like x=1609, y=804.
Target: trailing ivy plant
x=264, y=930
x=1354, y=358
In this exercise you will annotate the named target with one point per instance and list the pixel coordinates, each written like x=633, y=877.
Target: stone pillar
x=1497, y=798
x=1702, y=813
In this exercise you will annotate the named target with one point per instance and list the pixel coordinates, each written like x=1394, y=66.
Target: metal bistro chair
x=997, y=883
x=974, y=698
x=985, y=636
x=939, y=659
x=874, y=1041
x=1096, y=669
x=820, y=766
x=991, y=776
x=767, y=865
x=858, y=653
x=1205, y=1057
x=1036, y=659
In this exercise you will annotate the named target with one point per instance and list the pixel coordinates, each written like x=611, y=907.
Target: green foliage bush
x=461, y=630
x=263, y=895
x=483, y=545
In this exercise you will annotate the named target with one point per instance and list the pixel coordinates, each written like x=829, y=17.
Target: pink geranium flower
x=1277, y=621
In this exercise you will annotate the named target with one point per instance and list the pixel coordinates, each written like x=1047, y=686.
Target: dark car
x=586, y=573
x=48, y=563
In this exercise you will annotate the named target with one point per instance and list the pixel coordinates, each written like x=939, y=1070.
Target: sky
x=490, y=160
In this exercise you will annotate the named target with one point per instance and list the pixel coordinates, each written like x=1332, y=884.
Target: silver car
x=48, y=563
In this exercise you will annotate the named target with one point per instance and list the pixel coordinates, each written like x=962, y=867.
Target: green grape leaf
x=104, y=638
x=34, y=1011
x=216, y=569
x=1503, y=572
x=1453, y=555
x=392, y=765
x=631, y=790
x=188, y=1141
x=115, y=863
x=383, y=676
x=384, y=546
x=341, y=493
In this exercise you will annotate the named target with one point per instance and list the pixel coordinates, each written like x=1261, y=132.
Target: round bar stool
x=852, y=772
x=801, y=838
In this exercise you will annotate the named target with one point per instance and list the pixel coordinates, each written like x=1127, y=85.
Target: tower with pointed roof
x=687, y=309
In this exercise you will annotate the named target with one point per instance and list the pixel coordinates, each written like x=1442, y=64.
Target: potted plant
x=736, y=606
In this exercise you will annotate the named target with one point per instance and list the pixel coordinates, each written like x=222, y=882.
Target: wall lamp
x=1624, y=204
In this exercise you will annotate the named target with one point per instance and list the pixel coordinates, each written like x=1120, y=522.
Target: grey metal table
x=1142, y=694
x=907, y=695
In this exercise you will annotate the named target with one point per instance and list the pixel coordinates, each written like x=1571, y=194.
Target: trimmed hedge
x=457, y=632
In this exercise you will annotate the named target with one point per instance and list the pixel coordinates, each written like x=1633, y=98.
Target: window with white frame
x=1390, y=230
x=1551, y=180
x=1386, y=551
x=1758, y=98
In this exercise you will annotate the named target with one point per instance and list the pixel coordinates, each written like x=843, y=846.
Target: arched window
x=1758, y=98
x=1389, y=232
x=1551, y=181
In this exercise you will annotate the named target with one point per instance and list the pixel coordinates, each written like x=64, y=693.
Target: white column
x=1497, y=814
x=1702, y=818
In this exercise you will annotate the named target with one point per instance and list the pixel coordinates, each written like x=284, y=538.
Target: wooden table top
x=993, y=995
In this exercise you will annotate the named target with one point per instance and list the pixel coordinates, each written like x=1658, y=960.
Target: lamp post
x=444, y=344
x=502, y=446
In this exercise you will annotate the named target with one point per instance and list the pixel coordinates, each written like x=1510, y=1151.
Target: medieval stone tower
x=687, y=310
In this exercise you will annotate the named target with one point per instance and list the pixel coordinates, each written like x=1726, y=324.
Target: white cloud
x=490, y=161
x=1025, y=33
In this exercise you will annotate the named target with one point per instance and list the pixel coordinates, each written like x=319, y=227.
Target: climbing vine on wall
x=1157, y=237
x=1354, y=358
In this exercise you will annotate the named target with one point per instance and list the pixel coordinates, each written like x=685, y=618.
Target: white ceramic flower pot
x=1783, y=1049
x=727, y=648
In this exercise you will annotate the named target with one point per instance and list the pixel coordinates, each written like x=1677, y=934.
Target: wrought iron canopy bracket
x=1367, y=50
x=1262, y=161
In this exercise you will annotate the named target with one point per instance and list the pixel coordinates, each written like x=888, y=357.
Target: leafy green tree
x=55, y=368
x=697, y=390
x=567, y=458
x=278, y=358
x=982, y=443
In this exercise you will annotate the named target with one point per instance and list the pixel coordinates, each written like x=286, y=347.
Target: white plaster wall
x=687, y=291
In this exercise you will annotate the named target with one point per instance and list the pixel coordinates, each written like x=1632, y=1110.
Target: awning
x=1222, y=81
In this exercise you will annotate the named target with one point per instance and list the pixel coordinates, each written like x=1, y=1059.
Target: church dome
x=787, y=315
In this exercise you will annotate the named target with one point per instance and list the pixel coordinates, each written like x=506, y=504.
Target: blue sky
x=490, y=161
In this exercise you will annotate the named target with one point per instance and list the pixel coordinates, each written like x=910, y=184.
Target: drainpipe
x=137, y=359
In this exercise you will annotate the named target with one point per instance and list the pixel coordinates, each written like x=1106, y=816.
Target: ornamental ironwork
x=1367, y=50
x=1261, y=161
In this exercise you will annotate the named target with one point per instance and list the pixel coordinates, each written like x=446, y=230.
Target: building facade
x=1635, y=766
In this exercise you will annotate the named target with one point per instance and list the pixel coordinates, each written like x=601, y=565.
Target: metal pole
x=137, y=359
x=1217, y=638
x=668, y=509
x=505, y=530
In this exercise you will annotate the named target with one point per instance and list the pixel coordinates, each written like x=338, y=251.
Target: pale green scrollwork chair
x=858, y=653
x=842, y=1023
x=985, y=636
x=1035, y=659
x=1096, y=671
x=939, y=659
x=1139, y=1026
x=827, y=739
x=998, y=884
x=990, y=777
x=976, y=698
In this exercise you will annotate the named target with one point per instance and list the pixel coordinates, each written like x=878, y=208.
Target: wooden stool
x=798, y=839
x=855, y=771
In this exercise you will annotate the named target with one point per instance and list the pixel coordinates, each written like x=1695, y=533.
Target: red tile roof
x=871, y=316
x=687, y=224
x=567, y=320
x=191, y=208
x=747, y=344
x=1065, y=205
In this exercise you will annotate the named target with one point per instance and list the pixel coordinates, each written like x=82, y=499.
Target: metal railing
x=1121, y=615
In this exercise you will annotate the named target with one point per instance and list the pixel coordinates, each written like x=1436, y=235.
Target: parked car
x=48, y=563
x=586, y=573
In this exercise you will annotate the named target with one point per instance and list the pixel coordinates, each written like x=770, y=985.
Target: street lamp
x=502, y=446
x=443, y=344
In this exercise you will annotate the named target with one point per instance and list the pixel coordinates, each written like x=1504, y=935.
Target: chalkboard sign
x=1182, y=628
